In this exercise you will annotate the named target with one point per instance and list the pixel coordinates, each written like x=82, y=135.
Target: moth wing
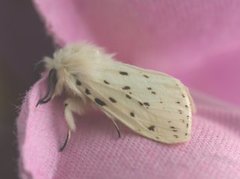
x=150, y=103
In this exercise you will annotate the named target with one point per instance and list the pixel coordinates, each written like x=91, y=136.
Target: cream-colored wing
x=150, y=103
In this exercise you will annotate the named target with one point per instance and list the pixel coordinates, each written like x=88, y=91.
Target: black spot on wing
x=146, y=76
x=153, y=92
x=106, y=82
x=146, y=104
x=149, y=88
x=112, y=100
x=176, y=136
x=87, y=91
x=151, y=128
x=132, y=114
x=180, y=111
x=78, y=83
x=100, y=102
x=126, y=88
x=128, y=96
x=123, y=73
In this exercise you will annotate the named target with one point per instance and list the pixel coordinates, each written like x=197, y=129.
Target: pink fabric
x=196, y=41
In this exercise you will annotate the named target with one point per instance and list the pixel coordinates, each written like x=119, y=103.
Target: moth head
x=60, y=69
x=68, y=64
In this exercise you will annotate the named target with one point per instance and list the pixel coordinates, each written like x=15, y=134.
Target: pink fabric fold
x=196, y=41
x=96, y=152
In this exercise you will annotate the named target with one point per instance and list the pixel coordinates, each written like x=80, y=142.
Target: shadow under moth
x=152, y=104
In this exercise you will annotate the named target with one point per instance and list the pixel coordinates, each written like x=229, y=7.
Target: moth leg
x=71, y=105
x=65, y=141
x=52, y=81
x=114, y=123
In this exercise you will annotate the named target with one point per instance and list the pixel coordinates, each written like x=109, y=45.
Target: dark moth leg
x=116, y=127
x=114, y=123
x=66, y=141
x=52, y=81
x=71, y=105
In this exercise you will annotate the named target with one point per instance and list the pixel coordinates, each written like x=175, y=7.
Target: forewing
x=150, y=103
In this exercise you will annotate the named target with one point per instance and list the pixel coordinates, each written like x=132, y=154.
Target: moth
x=150, y=103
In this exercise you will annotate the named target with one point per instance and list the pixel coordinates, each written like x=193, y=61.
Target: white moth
x=152, y=104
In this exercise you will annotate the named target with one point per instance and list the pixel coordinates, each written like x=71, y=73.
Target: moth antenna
x=116, y=127
x=39, y=66
x=66, y=141
x=52, y=81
